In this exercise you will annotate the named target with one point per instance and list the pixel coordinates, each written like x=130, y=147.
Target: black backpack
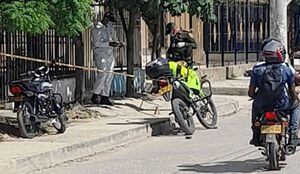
x=272, y=86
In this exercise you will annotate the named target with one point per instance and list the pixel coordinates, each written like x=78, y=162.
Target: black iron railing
x=46, y=46
x=240, y=28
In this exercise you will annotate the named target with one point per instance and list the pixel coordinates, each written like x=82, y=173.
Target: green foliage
x=31, y=17
x=67, y=17
x=71, y=16
x=203, y=9
x=149, y=8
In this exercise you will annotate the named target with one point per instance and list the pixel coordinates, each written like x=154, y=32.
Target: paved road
x=224, y=150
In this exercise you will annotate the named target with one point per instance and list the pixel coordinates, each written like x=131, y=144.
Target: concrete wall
x=214, y=74
x=66, y=87
x=235, y=71
x=227, y=72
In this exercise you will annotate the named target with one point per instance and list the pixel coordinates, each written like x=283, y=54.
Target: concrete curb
x=227, y=109
x=230, y=91
x=75, y=151
x=84, y=149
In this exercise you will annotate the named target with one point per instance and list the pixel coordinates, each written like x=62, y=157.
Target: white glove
x=180, y=44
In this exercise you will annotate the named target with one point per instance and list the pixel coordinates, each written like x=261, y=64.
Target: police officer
x=103, y=43
x=182, y=43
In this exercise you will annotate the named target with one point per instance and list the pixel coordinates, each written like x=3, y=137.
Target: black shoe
x=95, y=99
x=298, y=142
x=105, y=101
x=293, y=140
x=255, y=139
x=255, y=142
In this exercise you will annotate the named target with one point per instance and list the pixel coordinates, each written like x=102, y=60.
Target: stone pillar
x=278, y=21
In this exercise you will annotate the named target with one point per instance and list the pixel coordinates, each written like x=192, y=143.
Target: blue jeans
x=294, y=120
x=294, y=116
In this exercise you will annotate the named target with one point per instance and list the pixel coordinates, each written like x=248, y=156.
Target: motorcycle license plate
x=271, y=129
x=165, y=89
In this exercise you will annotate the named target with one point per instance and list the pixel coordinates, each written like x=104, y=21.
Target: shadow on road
x=247, y=166
x=142, y=121
x=159, y=126
x=10, y=130
x=140, y=107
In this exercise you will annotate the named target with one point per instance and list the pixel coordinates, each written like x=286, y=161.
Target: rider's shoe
x=255, y=139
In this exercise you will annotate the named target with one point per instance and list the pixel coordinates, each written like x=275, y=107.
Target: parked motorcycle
x=185, y=103
x=36, y=102
x=274, y=137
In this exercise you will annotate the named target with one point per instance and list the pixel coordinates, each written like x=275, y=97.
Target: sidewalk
x=238, y=86
x=111, y=127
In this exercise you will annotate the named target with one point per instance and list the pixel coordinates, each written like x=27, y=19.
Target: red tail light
x=270, y=115
x=163, y=83
x=16, y=90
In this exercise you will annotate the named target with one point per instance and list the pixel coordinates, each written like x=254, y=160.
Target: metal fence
x=46, y=46
x=236, y=36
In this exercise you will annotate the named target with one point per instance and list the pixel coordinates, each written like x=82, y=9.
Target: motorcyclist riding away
x=272, y=85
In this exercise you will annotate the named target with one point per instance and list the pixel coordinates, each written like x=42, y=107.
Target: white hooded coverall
x=103, y=57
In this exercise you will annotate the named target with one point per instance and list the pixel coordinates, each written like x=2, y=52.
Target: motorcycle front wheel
x=28, y=127
x=59, y=123
x=207, y=114
x=180, y=110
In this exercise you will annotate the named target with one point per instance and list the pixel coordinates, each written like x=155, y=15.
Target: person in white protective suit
x=103, y=43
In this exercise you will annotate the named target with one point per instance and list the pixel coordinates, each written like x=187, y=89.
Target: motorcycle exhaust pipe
x=290, y=149
x=33, y=118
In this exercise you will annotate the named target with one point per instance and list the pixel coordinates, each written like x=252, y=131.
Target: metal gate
x=236, y=36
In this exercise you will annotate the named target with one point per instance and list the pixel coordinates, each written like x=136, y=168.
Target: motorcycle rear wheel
x=28, y=128
x=185, y=122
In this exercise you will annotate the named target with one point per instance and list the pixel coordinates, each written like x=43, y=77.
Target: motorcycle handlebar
x=54, y=61
x=39, y=71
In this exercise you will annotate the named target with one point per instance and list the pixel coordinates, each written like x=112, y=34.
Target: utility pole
x=279, y=23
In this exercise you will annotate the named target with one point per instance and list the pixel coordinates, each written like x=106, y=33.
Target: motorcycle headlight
x=42, y=96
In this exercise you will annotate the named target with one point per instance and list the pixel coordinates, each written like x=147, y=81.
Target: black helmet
x=273, y=51
x=169, y=27
x=110, y=16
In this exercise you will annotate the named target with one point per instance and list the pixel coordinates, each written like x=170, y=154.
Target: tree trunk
x=79, y=59
x=156, y=50
x=130, y=50
x=156, y=33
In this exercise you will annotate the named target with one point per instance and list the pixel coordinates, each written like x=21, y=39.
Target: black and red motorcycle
x=36, y=102
x=274, y=136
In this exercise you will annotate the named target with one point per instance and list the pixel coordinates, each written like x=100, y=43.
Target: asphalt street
x=223, y=150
